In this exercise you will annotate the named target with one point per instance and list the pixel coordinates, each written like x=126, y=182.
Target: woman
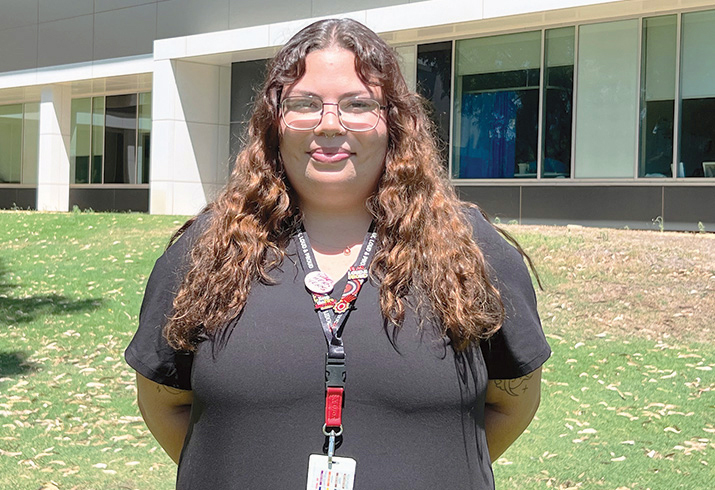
x=249, y=359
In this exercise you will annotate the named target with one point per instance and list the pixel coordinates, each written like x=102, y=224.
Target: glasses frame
x=380, y=107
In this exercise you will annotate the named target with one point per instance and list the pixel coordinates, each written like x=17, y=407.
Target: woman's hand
x=166, y=412
x=510, y=406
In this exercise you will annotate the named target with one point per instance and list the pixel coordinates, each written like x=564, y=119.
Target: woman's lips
x=329, y=155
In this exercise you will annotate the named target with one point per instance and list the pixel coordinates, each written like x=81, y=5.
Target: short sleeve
x=149, y=353
x=519, y=346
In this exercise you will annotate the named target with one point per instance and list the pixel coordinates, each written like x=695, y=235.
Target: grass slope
x=627, y=396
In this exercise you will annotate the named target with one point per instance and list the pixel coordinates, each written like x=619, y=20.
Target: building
x=552, y=111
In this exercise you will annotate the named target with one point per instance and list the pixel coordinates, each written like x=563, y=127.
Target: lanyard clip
x=334, y=372
x=334, y=391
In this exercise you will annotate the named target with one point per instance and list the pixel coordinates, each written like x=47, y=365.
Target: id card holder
x=338, y=476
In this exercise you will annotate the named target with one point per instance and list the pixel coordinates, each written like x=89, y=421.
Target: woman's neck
x=336, y=237
x=334, y=228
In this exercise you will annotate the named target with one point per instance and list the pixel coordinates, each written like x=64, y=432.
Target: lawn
x=627, y=396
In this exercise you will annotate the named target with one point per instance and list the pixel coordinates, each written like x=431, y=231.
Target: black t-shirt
x=414, y=410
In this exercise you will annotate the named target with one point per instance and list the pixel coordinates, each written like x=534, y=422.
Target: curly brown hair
x=426, y=249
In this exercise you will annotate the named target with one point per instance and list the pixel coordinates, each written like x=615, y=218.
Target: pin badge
x=319, y=282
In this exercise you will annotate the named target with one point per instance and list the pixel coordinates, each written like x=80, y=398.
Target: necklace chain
x=346, y=251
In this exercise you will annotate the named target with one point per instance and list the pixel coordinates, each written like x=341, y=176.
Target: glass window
x=80, y=140
x=406, y=57
x=496, y=106
x=97, y=139
x=558, y=102
x=434, y=83
x=657, y=96
x=697, y=114
x=607, y=99
x=110, y=139
x=246, y=76
x=120, y=139
x=30, y=143
x=143, y=137
x=10, y=143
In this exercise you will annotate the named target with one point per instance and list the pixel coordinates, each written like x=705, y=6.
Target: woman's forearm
x=166, y=412
x=511, y=405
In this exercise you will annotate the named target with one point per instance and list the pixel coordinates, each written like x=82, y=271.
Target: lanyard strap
x=332, y=315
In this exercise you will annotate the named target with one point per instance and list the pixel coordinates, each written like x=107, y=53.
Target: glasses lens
x=301, y=112
x=358, y=114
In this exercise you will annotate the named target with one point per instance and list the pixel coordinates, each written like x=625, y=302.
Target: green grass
x=625, y=405
x=70, y=290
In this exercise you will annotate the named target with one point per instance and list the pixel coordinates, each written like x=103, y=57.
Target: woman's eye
x=304, y=105
x=357, y=105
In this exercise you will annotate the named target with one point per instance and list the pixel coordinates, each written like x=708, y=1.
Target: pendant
x=319, y=282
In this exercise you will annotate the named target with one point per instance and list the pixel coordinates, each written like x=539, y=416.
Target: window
x=434, y=83
x=697, y=83
x=496, y=106
x=10, y=143
x=606, y=100
x=110, y=139
x=246, y=76
x=558, y=103
x=657, y=110
x=19, y=139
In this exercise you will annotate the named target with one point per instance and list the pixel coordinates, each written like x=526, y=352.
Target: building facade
x=600, y=113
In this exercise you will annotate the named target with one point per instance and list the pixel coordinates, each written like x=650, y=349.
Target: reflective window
x=558, y=102
x=19, y=139
x=406, y=56
x=10, y=143
x=97, y=139
x=496, y=106
x=120, y=139
x=110, y=139
x=697, y=114
x=607, y=100
x=144, y=137
x=80, y=140
x=30, y=143
x=246, y=78
x=434, y=82
x=657, y=96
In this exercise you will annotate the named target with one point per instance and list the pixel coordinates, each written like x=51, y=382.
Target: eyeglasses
x=357, y=114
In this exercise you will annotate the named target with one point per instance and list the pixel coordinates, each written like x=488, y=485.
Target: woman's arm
x=510, y=406
x=166, y=412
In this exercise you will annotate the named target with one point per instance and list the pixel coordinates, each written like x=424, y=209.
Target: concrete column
x=53, y=169
x=190, y=135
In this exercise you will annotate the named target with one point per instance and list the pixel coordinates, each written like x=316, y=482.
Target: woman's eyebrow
x=308, y=93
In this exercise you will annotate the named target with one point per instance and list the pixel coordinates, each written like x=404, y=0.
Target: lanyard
x=332, y=315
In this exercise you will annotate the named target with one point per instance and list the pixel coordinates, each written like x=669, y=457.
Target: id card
x=340, y=476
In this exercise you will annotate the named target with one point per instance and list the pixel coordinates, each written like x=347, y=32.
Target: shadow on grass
x=24, y=310
x=14, y=364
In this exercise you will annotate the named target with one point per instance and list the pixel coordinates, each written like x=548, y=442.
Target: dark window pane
x=246, y=78
x=80, y=131
x=144, y=137
x=697, y=121
x=97, y=139
x=120, y=140
x=657, y=139
x=558, y=102
x=657, y=96
x=434, y=83
x=10, y=143
x=697, y=138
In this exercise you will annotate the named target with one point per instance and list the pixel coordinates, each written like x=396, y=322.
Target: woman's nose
x=330, y=122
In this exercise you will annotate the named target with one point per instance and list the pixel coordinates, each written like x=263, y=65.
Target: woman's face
x=329, y=165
